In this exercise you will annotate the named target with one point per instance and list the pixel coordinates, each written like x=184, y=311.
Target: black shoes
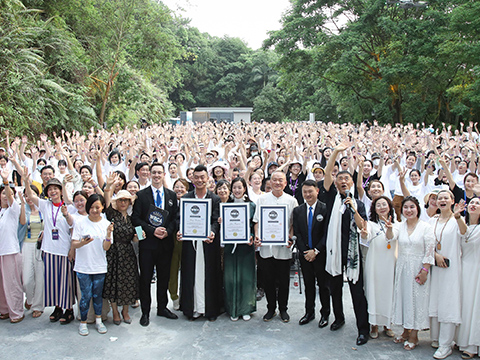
x=336, y=325
x=362, y=339
x=144, y=320
x=323, y=322
x=269, y=315
x=167, y=313
x=284, y=316
x=307, y=318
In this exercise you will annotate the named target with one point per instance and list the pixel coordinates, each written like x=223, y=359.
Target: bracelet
x=457, y=217
x=109, y=240
x=5, y=183
x=425, y=269
x=95, y=185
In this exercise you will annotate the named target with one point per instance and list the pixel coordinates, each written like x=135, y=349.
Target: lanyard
x=54, y=218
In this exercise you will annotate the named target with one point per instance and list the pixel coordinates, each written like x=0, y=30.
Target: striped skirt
x=60, y=281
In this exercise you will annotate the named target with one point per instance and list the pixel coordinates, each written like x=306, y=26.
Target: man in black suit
x=201, y=292
x=309, y=226
x=156, y=250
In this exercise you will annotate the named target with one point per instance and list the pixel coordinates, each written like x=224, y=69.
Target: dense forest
x=75, y=64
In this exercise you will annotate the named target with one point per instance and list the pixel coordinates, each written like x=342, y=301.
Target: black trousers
x=148, y=259
x=312, y=271
x=276, y=273
x=358, y=298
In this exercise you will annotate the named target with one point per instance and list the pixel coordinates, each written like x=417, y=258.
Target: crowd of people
x=391, y=210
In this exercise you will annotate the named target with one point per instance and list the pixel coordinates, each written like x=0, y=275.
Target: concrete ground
x=201, y=339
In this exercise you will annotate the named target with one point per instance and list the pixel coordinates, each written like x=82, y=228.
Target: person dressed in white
x=380, y=237
x=412, y=284
x=445, y=310
x=92, y=237
x=11, y=291
x=276, y=259
x=468, y=336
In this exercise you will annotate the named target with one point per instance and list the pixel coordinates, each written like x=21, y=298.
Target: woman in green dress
x=239, y=261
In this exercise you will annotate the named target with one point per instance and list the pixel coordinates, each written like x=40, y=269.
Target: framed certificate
x=235, y=227
x=273, y=225
x=195, y=215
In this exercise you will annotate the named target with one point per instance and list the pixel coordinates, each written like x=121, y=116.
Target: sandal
x=399, y=339
x=27, y=306
x=467, y=355
x=56, y=315
x=4, y=316
x=407, y=345
x=17, y=320
x=67, y=317
x=37, y=313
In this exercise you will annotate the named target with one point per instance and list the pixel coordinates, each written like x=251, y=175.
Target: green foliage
x=385, y=62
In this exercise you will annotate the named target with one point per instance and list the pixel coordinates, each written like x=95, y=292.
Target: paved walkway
x=222, y=339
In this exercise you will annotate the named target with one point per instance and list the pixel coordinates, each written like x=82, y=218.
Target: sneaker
x=83, y=329
x=269, y=315
x=234, y=318
x=101, y=328
x=260, y=294
x=284, y=316
x=442, y=352
x=434, y=344
x=246, y=317
x=176, y=304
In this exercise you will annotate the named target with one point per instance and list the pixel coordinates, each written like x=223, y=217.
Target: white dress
x=410, y=300
x=469, y=331
x=379, y=274
x=445, y=291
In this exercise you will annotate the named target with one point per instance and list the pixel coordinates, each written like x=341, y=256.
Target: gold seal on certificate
x=195, y=217
x=235, y=227
x=273, y=225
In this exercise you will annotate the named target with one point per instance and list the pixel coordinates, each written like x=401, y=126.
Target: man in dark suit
x=309, y=226
x=156, y=250
x=201, y=273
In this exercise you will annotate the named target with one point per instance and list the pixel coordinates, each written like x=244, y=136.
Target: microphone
x=348, y=195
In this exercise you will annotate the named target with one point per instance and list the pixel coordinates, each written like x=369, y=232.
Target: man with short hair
x=156, y=250
x=309, y=226
x=47, y=173
x=342, y=245
x=201, y=272
x=276, y=259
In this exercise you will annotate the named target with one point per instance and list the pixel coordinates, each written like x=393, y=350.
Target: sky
x=249, y=20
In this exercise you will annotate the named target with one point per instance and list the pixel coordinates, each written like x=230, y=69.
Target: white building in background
x=219, y=114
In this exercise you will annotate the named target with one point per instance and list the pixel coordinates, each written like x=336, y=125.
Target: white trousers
x=33, y=276
x=444, y=333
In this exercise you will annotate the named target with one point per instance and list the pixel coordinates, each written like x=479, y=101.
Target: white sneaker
x=83, y=329
x=176, y=304
x=246, y=317
x=442, y=352
x=434, y=344
x=234, y=318
x=101, y=328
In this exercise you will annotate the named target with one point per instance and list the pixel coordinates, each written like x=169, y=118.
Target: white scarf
x=334, y=239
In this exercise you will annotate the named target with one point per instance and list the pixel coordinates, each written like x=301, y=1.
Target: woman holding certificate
x=239, y=260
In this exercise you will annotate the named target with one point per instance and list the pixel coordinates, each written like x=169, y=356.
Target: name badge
x=55, y=234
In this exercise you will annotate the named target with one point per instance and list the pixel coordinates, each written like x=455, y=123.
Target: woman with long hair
x=468, y=336
x=239, y=260
x=412, y=284
x=380, y=237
